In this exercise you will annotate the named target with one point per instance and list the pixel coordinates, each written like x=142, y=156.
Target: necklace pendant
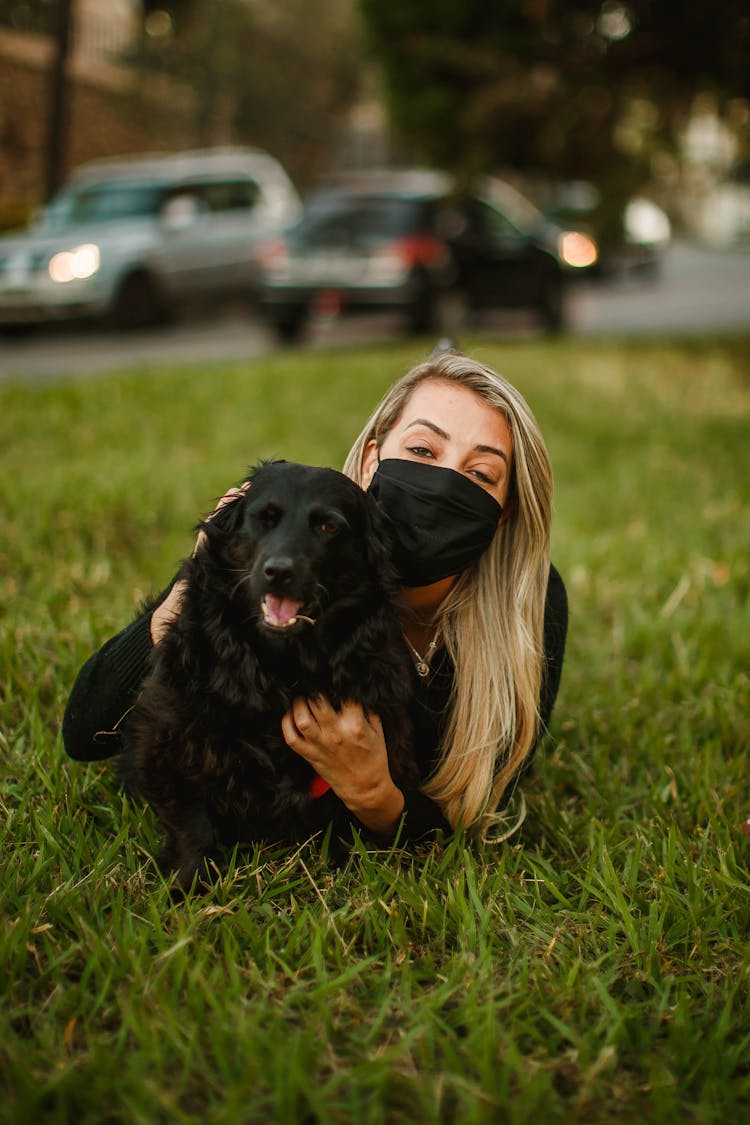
x=422, y=663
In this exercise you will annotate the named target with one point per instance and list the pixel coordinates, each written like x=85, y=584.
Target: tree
x=279, y=75
x=58, y=105
x=571, y=88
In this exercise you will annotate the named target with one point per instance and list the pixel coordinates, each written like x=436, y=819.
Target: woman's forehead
x=457, y=410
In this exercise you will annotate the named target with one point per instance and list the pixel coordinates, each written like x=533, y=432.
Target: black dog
x=290, y=594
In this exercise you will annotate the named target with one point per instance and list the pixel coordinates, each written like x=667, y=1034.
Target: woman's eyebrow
x=430, y=426
x=491, y=449
x=441, y=433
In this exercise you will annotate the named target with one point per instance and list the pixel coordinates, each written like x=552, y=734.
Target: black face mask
x=441, y=521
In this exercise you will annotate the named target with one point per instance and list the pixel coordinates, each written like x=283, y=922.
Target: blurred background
x=600, y=150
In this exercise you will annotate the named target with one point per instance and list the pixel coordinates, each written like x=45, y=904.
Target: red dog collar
x=318, y=786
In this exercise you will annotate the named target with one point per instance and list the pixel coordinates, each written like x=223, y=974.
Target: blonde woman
x=456, y=460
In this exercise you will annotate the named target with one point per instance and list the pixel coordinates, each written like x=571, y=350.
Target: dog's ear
x=224, y=520
x=379, y=541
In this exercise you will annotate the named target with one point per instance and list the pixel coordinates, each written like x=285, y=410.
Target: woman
x=455, y=458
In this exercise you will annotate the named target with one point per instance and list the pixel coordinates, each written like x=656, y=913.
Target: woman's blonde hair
x=493, y=618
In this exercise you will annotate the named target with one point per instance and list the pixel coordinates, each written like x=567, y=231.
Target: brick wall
x=112, y=111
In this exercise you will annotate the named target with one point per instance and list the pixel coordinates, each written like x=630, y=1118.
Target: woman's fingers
x=305, y=719
x=165, y=614
x=231, y=494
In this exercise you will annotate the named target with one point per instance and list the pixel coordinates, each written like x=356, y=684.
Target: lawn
x=594, y=968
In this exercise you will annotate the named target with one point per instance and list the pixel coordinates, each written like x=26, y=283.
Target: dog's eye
x=326, y=520
x=270, y=515
x=327, y=524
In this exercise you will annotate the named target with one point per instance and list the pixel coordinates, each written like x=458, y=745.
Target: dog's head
x=298, y=541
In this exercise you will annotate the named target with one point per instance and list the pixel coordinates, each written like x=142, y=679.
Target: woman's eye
x=481, y=476
x=420, y=451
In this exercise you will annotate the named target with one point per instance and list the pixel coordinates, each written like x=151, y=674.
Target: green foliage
x=544, y=86
x=594, y=968
x=279, y=76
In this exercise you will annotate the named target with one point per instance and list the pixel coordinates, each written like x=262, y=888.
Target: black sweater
x=109, y=681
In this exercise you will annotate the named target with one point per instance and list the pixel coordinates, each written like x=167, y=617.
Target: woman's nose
x=450, y=460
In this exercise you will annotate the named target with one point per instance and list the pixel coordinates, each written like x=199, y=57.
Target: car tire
x=444, y=311
x=138, y=302
x=420, y=312
x=290, y=328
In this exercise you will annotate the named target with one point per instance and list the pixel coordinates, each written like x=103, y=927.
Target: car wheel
x=552, y=305
x=443, y=311
x=138, y=303
x=420, y=313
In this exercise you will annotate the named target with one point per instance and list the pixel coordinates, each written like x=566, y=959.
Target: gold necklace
x=422, y=663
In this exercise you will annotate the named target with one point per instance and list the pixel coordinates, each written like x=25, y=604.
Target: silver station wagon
x=128, y=240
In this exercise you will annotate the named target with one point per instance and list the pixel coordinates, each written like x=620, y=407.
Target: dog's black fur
x=203, y=743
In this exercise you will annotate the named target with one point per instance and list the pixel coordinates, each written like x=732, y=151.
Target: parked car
x=130, y=239
x=407, y=241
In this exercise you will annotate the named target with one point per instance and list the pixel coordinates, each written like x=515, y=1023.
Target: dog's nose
x=278, y=569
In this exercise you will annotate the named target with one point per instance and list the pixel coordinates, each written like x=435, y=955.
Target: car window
x=239, y=194
x=356, y=219
x=487, y=221
x=516, y=207
x=103, y=202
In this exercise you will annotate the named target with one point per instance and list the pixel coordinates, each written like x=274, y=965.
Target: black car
x=408, y=242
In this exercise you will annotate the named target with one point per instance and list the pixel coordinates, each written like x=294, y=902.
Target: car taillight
x=419, y=250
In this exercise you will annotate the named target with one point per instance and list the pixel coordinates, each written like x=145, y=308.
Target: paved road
x=699, y=291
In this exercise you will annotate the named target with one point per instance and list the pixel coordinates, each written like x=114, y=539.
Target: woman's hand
x=347, y=749
x=166, y=612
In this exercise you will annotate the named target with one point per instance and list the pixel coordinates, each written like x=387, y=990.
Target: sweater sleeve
x=555, y=633
x=422, y=817
x=106, y=688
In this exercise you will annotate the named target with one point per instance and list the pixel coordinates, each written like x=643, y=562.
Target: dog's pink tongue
x=280, y=610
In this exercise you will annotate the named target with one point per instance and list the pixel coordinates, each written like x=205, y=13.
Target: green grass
x=594, y=968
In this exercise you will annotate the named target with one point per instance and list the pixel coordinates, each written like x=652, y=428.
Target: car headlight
x=577, y=249
x=75, y=265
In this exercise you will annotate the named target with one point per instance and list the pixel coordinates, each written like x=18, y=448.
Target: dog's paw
x=184, y=875
x=195, y=876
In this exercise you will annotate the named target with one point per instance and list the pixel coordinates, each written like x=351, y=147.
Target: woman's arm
x=108, y=683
